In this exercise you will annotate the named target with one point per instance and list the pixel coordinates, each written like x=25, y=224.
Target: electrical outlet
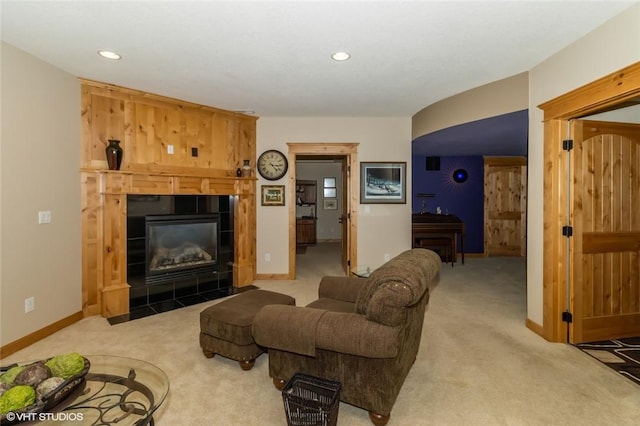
x=29, y=304
x=169, y=149
x=44, y=217
x=267, y=257
x=387, y=257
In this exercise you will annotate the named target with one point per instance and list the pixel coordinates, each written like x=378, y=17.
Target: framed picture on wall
x=382, y=183
x=330, y=204
x=272, y=195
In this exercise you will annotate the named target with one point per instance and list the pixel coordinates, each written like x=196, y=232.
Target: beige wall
x=497, y=98
x=613, y=46
x=380, y=139
x=40, y=146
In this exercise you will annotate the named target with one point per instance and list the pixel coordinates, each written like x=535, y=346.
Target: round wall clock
x=272, y=164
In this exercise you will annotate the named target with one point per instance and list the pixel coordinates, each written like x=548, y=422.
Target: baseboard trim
x=30, y=339
x=535, y=327
x=475, y=255
x=272, y=277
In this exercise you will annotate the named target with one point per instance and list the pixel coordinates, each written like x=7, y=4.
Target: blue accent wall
x=465, y=200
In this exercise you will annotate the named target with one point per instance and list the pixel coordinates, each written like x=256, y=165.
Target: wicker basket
x=311, y=401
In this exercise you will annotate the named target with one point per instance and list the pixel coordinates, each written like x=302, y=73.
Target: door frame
x=606, y=93
x=347, y=150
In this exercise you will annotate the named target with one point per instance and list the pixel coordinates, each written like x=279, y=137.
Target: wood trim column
x=244, y=268
x=92, y=236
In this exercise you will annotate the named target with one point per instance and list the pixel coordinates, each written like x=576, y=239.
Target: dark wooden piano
x=438, y=232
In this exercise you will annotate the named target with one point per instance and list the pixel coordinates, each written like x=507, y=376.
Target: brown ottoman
x=225, y=328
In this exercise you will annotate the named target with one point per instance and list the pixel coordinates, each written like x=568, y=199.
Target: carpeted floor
x=622, y=355
x=478, y=364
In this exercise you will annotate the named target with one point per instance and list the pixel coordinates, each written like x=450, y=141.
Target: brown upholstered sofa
x=362, y=332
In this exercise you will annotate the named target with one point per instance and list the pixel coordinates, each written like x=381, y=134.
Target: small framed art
x=272, y=195
x=330, y=204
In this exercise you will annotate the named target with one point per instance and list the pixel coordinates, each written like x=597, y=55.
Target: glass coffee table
x=362, y=271
x=116, y=391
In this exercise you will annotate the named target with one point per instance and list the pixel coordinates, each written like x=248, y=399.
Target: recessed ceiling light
x=340, y=56
x=108, y=54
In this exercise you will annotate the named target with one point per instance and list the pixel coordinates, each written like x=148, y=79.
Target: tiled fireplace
x=180, y=251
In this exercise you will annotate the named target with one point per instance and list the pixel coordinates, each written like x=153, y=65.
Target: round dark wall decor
x=460, y=175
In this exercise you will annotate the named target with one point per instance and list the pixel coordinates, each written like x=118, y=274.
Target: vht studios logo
x=52, y=417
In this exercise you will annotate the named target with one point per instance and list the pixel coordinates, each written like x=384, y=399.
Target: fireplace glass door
x=181, y=245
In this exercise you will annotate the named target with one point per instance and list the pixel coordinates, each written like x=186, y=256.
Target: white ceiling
x=273, y=57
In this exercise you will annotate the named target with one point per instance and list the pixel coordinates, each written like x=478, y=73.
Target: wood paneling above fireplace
x=146, y=124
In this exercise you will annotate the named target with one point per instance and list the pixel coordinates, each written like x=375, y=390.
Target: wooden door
x=344, y=217
x=605, y=247
x=505, y=206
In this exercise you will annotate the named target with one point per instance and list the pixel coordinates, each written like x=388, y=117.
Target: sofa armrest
x=288, y=328
x=341, y=288
x=354, y=334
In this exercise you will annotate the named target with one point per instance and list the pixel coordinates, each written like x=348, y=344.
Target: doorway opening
x=322, y=206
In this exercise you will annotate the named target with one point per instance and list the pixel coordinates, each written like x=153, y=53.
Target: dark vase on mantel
x=114, y=154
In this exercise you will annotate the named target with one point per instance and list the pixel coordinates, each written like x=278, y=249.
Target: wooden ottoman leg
x=247, y=365
x=279, y=383
x=207, y=353
x=379, y=419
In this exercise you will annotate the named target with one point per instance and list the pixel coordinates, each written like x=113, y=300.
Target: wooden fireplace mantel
x=171, y=147
x=104, y=219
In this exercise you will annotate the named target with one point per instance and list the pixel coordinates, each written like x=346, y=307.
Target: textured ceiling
x=273, y=57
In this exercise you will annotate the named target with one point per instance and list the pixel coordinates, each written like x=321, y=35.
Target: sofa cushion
x=333, y=305
x=340, y=288
x=287, y=328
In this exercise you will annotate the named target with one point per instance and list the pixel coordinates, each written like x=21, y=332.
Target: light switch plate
x=44, y=217
x=29, y=304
